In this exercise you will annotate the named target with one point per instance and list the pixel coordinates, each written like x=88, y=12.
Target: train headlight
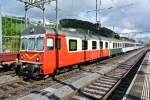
x=37, y=59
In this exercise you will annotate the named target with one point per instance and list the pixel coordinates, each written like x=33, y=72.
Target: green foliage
x=12, y=29
x=85, y=25
x=11, y=26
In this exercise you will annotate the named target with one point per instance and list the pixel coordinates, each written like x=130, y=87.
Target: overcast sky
x=124, y=15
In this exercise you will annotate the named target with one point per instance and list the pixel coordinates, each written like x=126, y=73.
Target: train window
x=106, y=44
x=116, y=45
x=40, y=43
x=31, y=43
x=50, y=44
x=84, y=44
x=58, y=44
x=101, y=45
x=24, y=44
x=113, y=45
x=94, y=45
x=72, y=45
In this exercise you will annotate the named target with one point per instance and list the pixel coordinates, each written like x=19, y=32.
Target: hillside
x=85, y=25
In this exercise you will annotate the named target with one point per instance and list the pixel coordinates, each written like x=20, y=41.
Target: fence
x=12, y=26
x=11, y=31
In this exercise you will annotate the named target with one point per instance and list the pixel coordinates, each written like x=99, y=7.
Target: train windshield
x=33, y=44
x=24, y=44
x=40, y=44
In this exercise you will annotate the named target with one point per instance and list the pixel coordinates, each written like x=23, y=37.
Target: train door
x=49, y=55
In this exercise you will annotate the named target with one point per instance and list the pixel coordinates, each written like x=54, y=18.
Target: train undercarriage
x=28, y=70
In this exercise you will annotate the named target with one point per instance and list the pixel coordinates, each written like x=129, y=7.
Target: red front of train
x=42, y=52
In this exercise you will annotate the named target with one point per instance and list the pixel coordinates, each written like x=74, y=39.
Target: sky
x=120, y=15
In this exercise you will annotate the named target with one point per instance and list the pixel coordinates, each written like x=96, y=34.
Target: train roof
x=42, y=30
x=33, y=31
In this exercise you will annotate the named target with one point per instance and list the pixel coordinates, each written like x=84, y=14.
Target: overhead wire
x=122, y=12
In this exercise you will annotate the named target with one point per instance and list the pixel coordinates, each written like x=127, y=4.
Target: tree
x=85, y=25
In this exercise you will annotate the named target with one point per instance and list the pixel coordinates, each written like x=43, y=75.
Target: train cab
x=36, y=52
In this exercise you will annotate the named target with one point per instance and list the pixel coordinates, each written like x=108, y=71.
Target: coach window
x=101, y=45
x=94, y=45
x=116, y=45
x=72, y=45
x=50, y=44
x=113, y=45
x=58, y=44
x=106, y=44
x=84, y=44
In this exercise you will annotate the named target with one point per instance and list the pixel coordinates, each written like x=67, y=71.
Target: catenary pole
x=1, y=49
x=57, y=15
x=96, y=10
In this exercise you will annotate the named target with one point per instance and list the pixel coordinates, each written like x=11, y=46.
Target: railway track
x=14, y=88
x=122, y=90
x=20, y=87
x=104, y=86
x=12, y=73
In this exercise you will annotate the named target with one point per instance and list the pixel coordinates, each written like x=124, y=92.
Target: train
x=44, y=50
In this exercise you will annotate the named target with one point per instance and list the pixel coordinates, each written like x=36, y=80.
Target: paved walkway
x=140, y=86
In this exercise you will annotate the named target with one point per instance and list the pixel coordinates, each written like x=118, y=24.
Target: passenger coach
x=43, y=51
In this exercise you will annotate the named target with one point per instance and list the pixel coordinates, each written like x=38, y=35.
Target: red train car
x=8, y=58
x=43, y=51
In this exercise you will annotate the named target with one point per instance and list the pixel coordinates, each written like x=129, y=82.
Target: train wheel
x=17, y=70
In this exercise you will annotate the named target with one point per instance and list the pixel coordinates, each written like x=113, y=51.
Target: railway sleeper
x=98, y=92
x=102, y=85
x=98, y=88
x=105, y=82
x=79, y=98
x=90, y=95
x=12, y=86
x=117, y=76
x=108, y=80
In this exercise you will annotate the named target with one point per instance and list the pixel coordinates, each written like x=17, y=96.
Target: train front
x=31, y=52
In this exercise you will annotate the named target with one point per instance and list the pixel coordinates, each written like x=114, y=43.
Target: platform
x=140, y=86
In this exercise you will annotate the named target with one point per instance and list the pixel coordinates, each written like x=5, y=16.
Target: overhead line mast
x=96, y=10
x=1, y=49
x=35, y=3
x=57, y=15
